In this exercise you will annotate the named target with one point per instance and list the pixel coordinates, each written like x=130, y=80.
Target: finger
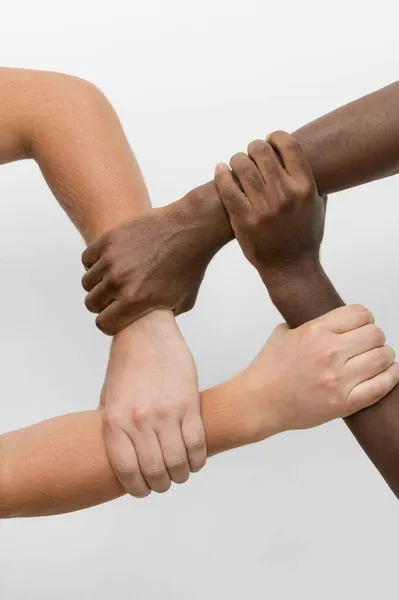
x=230, y=194
x=266, y=160
x=195, y=441
x=249, y=177
x=115, y=317
x=361, y=340
x=92, y=253
x=369, y=364
x=123, y=458
x=346, y=318
x=293, y=156
x=151, y=460
x=99, y=297
x=174, y=452
x=369, y=392
x=94, y=275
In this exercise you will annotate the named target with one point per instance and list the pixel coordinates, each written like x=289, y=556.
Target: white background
x=304, y=515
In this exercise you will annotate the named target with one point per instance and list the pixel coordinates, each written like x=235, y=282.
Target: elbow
x=79, y=94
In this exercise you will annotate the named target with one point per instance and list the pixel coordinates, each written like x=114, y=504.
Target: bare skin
x=300, y=379
x=350, y=146
x=278, y=220
x=70, y=129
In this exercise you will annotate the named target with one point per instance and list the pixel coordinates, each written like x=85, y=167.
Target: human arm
x=73, y=133
x=354, y=144
x=280, y=229
x=61, y=465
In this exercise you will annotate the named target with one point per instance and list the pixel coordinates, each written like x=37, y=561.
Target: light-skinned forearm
x=73, y=133
x=60, y=465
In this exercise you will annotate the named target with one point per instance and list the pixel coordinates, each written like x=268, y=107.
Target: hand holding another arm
x=73, y=133
x=61, y=465
x=279, y=221
x=356, y=143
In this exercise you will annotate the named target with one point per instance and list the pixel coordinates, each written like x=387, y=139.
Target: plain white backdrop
x=304, y=515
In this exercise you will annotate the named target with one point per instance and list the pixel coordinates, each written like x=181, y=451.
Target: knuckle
x=275, y=136
x=139, y=416
x=303, y=190
x=377, y=336
x=252, y=222
x=315, y=330
x=85, y=283
x=386, y=356
x=329, y=353
x=114, y=419
x=331, y=380
x=89, y=304
x=195, y=443
x=104, y=326
x=108, y=257
x=290, y=196
x=230, y=195
x=124, y=468
x=362, y=312
x=130, y=293
x=288, y=141
x=164, y=487
x=254, y=179
x=154, y=472
x=162, y=413
x=258, y=147
x=240, y=163
x=177, y=462
x=113, y=278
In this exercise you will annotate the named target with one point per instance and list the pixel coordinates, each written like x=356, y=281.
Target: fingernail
x=220, y=167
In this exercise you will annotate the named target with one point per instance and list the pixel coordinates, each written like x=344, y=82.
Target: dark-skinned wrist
x=202, y=210
x=301, y=291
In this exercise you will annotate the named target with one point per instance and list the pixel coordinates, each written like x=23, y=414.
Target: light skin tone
x=300, y=379
x=70, y=129
x=63, y=464
x=355, y=144
x=281, y=238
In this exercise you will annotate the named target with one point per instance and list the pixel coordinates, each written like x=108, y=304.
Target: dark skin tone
x=128, y=277
x=159, y=259
x=283, y=199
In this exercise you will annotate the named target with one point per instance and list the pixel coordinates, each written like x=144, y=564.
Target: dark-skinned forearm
x=307, y=294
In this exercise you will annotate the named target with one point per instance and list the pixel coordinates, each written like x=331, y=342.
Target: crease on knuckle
x=154, y=471
x=177, y=461
x=196, y=443
x=230, y=195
